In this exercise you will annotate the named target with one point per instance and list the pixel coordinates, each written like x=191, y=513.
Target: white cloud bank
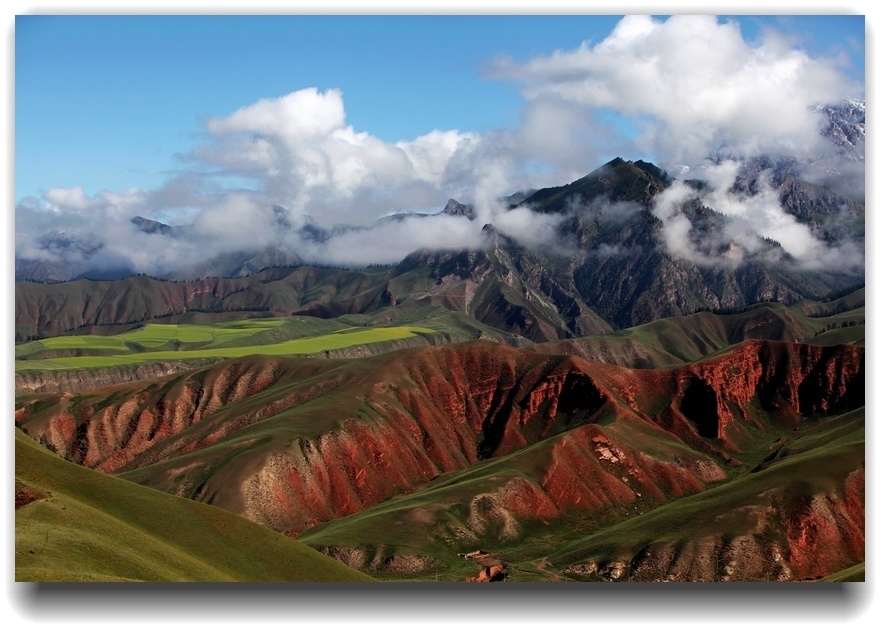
x=309, y=160
x=689, y=84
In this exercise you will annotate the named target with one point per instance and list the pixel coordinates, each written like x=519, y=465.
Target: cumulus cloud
x=60, y=199
x=308, y=159
x=697, y=83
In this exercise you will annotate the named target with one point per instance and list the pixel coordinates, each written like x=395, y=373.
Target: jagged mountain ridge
x=65, y=257
x=624, y=271
x=846, y=127
x=615, y=272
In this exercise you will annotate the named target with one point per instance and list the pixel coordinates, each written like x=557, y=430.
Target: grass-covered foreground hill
x=73, y=524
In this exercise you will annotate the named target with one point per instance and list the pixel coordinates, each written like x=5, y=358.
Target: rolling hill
x=292, y=444
x=779, y=521
x=73, y=524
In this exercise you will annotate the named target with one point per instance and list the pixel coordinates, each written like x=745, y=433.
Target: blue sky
x=213, y=122
x=107, y=102
x=114, y=102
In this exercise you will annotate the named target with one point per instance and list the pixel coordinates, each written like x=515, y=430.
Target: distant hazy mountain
x=150, y=226
x=236, y=264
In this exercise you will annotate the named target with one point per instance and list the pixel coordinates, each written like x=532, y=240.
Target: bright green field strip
x=307, y=345
x=153, y=335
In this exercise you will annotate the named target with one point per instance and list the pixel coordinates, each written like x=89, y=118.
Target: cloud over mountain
x=687, y=85
x=305, y=156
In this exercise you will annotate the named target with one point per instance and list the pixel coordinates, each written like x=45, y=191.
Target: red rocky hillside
x=291, y=443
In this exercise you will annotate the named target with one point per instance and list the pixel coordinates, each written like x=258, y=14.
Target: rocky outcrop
x=798, y=539
x=788, y=380
x=380, y=561
x=73, y=381
x=496, y=573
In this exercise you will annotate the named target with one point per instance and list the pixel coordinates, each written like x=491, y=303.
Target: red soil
x=429, y=411
x=490, y=574
x=827, y=532
x=24, y=495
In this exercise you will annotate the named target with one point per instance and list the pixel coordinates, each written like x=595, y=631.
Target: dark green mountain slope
x=679, y=340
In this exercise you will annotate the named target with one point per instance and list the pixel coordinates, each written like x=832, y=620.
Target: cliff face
x=293, y=443
x=788, y=380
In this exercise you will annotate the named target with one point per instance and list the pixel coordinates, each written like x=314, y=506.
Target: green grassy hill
x=678, y=340
x=78, y=525
x=513, y=504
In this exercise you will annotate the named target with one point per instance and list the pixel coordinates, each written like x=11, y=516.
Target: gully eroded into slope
x=292, y=443
x=785, y=539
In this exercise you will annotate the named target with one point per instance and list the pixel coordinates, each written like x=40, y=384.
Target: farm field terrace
x=229, y=340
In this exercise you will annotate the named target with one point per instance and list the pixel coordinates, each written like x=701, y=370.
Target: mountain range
x=667, y=383
x=832, y=178
x=616, y=270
